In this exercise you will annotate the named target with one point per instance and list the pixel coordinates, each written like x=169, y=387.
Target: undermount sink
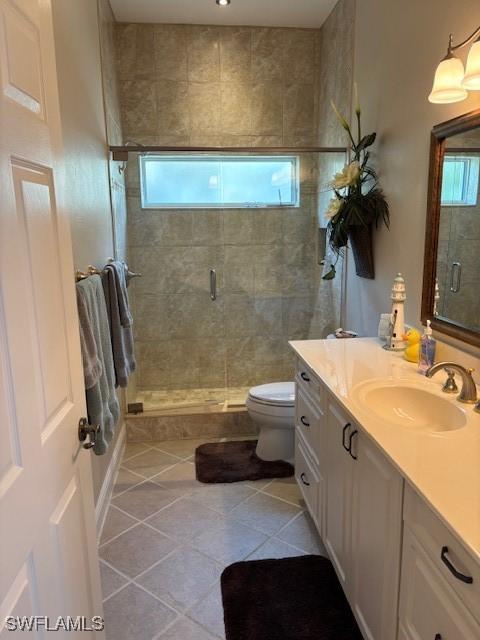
x=409, y=406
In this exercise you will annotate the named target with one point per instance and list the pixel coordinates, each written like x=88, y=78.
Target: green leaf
x=330, y=275
x=366, y=141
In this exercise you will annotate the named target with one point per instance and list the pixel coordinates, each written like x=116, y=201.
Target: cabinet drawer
x=309, y=422
x=429, y=608
x=308, y=383
x=436, y=538
x=307, y=478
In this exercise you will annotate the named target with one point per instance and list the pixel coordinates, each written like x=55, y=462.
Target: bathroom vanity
x=389, y=467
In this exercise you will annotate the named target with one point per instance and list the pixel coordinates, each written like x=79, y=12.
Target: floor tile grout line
x=107, y=542
x=265, y=533
x=142, y=480
x=289, y=544
x=134, y=455
x=182, y=612
x=297, y=515
x=157, y=562
x=150, y=593
x=279, y=498
x=204, y=627
x=207, y=629
x=167, y=468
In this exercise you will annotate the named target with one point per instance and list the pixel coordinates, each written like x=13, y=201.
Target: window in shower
x=208, y=181
x=460, y=180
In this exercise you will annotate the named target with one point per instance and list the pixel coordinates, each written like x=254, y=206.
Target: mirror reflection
x=457, y=296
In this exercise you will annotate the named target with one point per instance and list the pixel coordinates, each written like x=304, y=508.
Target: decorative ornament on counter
x=398, y=296
x=412, y=350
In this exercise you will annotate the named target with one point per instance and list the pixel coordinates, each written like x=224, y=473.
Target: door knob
x=85, y=430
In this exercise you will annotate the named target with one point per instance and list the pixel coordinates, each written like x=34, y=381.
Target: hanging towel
x=92, y=366
x=120, y=320
x=102, y=403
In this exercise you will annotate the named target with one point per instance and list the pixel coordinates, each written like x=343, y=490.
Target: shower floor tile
x=169, y=538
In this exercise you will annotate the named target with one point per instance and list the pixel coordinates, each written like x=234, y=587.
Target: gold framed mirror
x=451, y=277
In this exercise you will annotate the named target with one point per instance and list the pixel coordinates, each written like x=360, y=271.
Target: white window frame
x=295, y=160
x=470, y=180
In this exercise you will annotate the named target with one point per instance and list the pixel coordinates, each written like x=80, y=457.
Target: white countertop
x=444, y=467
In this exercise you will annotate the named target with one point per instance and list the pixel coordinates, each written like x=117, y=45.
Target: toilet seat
x=275, y=394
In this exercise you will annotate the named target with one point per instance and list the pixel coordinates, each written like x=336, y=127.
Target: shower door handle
x=455, y=277
x=213, y=284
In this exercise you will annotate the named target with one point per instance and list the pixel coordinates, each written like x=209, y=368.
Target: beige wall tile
x=239, y=269
x=172, y=108
x=268, y=316
x=298, y=101
x=205, y=107
x=267, y=108
x=135, y=46
x=170, y=42
x=236, y=108
x=235, y=54
x=139, y=107
x=239, y=315
x=267, y=55
x=299, y=55
x=203, y=53
x=238, y=226
x=268, y=269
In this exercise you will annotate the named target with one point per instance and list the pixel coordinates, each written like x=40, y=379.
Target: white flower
x=333, y=208
x=348, y=176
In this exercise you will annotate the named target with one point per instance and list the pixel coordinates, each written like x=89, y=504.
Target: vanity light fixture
x=452, y=82
x=223, y=3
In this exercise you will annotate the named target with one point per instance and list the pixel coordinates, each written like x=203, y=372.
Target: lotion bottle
x=428, y=345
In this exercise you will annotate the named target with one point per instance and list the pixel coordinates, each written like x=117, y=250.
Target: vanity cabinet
x=429, y=608
x=338, y=498
x=404, y=571
x=438, y=577
x=357, y=505
x=363, y=524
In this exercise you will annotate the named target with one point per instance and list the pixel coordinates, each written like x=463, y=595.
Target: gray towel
x=120, y=321
x=102, y=403
x=92, y=367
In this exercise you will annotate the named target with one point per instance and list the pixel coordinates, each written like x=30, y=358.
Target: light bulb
x=447, y=85
x=223, y=3
x=471, y=80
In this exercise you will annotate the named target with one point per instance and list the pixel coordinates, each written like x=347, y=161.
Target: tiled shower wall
x=223, y=86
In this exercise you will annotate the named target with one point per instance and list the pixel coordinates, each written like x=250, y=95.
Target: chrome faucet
x=468, y=393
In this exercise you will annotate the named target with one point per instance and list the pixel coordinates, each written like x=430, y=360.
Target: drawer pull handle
x=302, y=478
x=460, y=576
x=438, y=636
x=344, y=430
x=354, y=433
x=304, y=376
x=303, y=420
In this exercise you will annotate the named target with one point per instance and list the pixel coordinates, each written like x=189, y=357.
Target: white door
x=376, y=540
x=48, y=561
x=338, y=492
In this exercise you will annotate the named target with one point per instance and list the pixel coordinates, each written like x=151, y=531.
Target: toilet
x=272, y=408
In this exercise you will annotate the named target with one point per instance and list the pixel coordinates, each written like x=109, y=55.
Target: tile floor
x=167, y=538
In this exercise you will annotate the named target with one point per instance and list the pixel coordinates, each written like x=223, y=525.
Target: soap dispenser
x=428, y=345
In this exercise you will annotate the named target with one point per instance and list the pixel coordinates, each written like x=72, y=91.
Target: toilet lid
x=280, y=394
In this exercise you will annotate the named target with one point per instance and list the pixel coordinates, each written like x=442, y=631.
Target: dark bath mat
x=287, y=599
x=236, y=461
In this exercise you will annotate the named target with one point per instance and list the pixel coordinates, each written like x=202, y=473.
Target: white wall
x=397, y=48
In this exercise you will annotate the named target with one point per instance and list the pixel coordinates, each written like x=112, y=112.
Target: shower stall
x=231, y=246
